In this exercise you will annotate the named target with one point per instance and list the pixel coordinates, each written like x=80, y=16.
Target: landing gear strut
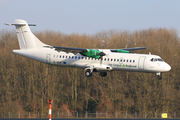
x=159, y=75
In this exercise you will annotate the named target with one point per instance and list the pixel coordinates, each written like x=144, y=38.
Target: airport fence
x=89, y=115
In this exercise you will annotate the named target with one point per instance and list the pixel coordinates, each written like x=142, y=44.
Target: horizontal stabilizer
x=27, y=40
x=20, y=24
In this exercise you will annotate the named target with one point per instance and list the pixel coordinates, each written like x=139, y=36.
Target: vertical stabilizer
x=27, y=40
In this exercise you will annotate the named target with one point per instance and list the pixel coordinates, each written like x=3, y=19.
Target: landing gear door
x=48, y=58
x=141, y=62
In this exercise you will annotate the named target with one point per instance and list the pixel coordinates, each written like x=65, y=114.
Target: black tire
x=103, y=74
x=88, y=73
x=159, y=77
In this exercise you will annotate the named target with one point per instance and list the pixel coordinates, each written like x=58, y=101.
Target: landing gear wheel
x=159, y=77
x=88, y=73
x=103, y=74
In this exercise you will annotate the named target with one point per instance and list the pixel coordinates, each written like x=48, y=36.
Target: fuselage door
x=48, y=58
x=141, y=62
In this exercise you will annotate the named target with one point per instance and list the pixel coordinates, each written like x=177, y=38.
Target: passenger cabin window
x=133, y=61
x=60, y=56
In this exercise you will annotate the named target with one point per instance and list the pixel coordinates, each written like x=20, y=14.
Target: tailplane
x=27, y=40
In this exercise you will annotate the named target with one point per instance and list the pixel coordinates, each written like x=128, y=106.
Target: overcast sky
x=91, y=16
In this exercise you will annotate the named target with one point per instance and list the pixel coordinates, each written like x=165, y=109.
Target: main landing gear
x=159, y=75
x=103, y=74
x=89, y=72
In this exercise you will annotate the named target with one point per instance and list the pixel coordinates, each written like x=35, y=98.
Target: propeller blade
x=101, y=60
x=101, y=57
x=101, y=54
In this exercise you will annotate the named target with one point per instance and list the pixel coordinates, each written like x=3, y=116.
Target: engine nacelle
x=103, y=68
x=93, y=53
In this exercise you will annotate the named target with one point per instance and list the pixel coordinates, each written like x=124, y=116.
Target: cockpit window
x=156, y=59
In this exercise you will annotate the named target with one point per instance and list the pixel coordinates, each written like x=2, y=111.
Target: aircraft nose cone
x=167, y=67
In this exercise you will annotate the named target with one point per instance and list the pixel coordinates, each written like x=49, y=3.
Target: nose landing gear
x=159, y=75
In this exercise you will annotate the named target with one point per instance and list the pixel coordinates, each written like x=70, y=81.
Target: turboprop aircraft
x=91, y=60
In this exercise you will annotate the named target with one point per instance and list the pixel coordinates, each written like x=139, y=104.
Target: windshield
x=156, y=59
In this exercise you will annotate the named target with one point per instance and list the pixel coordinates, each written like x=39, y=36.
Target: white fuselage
x=112, y=61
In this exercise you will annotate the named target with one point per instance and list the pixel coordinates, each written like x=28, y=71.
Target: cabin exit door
x=48, y=58
x=141, y=62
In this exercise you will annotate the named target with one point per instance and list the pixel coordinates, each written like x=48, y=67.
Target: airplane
x=91, y=60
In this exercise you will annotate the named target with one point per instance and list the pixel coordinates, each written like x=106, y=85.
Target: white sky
x=91, y=16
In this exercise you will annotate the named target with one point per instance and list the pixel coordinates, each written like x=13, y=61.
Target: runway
x=81, y=119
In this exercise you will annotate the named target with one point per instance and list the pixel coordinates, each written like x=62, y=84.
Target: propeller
x=101, y=56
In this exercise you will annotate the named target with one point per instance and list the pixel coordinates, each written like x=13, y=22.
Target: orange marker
x=50, y=103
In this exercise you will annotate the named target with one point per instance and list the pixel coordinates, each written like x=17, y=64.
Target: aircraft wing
x=91, y=52
x=68, y=49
